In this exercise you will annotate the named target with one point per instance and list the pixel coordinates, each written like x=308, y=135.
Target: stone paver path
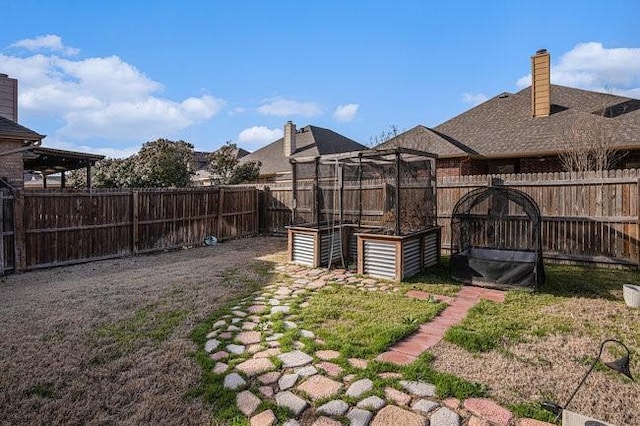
x=406, y=351
x=321, y=386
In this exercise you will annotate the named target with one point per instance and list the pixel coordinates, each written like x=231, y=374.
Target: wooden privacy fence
x=68, y=226
x=587, y=217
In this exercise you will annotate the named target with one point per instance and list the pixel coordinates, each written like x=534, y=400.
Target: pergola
x=49, y=161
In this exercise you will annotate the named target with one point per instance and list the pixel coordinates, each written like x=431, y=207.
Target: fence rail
x=63, y=227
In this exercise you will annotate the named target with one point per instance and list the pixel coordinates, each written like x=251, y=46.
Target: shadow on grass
x=588, y=282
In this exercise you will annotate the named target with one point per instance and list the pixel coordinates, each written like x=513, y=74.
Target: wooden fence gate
x=7, y=233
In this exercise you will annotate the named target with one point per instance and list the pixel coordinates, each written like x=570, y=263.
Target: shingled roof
x=310, y=141
x=503, y=126
x=11, y=130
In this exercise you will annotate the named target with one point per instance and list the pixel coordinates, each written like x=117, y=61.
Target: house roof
x=9, y=129
x=503, y=126
x=50, y=160
x=310, y=141
x=200, y=157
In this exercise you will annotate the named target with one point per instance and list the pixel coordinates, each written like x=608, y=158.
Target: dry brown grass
x=108, y=342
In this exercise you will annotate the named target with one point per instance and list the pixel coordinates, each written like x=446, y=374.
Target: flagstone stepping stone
x=254, y=318
x=212, y=334
x=255, y=366
x=396, y=396
x=281, y=308
x=247, y=402
x=392, y=415
x=372, y=403
x=273, y=344
x=267, y=353
x=359, y=417
x=266, y=418
x=488, y=410
x=287, y=381
x=306, y=371
x=290, y=324
x=358, y=363
x=320, y=387
x=219, y=323
x=291, y=422
x=330, y=368
x=233, y=328
x=269, y=378
x=274, y=302
x=234, y=381
x=219, y=355
x=298, y=345
x=445, y=417
x=266, y=391
x=248, y=337
x=424, y=406
x=239, y=314
x=326, y=421
x=249, y=326
x=236, y=349
x=419, y=388
x=226, y=335
x=255, y=348
x=349, y=378
x=294, y=359
x=327, y=355
x=390, y=375
x=220, y=368
x=236, y=321
x=291, y=401
x=358, y=388
x=211, y=345
x=257, y=309
x=334, y=408
x=304, y=305
x=307, y=334
x=274, y=337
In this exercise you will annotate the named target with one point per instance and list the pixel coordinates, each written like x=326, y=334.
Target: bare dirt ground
x=108, y=342
x=550, y=367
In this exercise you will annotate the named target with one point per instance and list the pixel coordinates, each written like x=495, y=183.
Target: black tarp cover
x=496, y=239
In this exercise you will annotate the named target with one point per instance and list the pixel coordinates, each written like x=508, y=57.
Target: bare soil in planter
x=108, y=342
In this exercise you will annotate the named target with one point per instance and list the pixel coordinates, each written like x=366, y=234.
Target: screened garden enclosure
x=375, y=209
x=496, y=239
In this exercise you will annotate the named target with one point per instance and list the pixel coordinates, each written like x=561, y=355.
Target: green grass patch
x=532, y=411
x=43, y=390
x=447, y=385
x=147, y=323
x=434, y=280
x=361, y=324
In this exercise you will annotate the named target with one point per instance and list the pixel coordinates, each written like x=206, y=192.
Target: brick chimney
x=541, y=84
x=289, y=139
x=8, y=97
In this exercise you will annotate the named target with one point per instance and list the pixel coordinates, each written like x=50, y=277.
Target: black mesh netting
x=496, y=239
x=362, y=188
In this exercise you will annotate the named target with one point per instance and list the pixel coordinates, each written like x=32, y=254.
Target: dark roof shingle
x=11, y=130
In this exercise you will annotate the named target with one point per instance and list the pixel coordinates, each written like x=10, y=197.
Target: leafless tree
x=589, y=145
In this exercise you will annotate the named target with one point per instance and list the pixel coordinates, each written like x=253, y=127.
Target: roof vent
x=503, y=95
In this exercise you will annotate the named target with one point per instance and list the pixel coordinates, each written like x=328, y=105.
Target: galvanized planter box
x=397, y=257
x=312, y=247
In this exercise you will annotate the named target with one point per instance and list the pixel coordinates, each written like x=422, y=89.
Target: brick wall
x=11, y=165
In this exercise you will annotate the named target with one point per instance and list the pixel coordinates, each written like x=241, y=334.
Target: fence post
x=19, y=234
x=256, y=219
x=134, y=222
x=638, y=223
x=220, y=214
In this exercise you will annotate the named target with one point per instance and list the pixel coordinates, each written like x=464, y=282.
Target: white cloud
x=591, y=66
x=101, y=98
x=257, y=136
x=236, y=111
x=285, y=107
x=49, y=42
x=474, y=98
x=344, y=113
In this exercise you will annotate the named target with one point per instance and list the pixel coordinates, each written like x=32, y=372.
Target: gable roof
x=201, y=162
x=310, y=141
x=503, y=126
x=9, y=129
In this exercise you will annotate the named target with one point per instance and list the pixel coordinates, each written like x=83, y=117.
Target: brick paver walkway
x=406, y=351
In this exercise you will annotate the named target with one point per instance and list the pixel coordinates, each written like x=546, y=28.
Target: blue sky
x=107, y=76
